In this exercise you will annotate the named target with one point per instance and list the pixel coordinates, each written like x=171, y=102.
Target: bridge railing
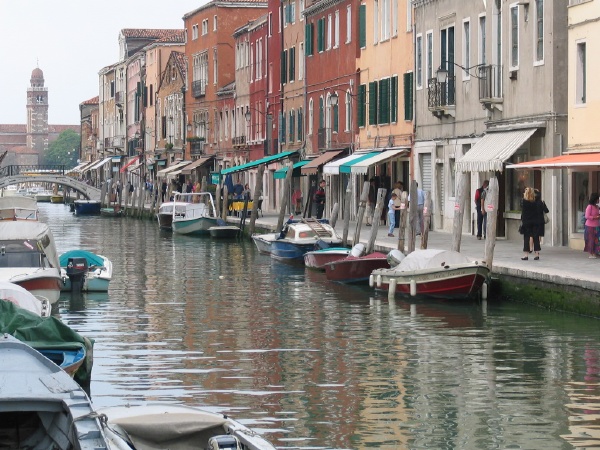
x=33, y=170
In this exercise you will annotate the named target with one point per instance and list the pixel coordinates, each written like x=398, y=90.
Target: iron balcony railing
x=441, y=94
x=197, y=148
x=199, y=88
x=490, y=83
x=239, y=141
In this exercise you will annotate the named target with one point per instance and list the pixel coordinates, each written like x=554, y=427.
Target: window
x=301, y=10
x=292, y=76
x=466, y=49
x=580, y=74
x=215, y=22
x=482, y=41
x=336, y=30
x=282, y=131
x=514, y=37
x=204, y=27
x=409, y=6
x=292, y=128
x=395, y=17
x=301, y=61
x=419, y=60
x=310, y=116
x=447, y=62
x=348, y=24
x=385, y=19
x=539, y=31
x=375, y=21
x=348, y=123
x=194, y=32
x=362, y=26
x=308, y=38
x=373, y=85
x=336, y=118
x=429, y=60
x=383, y=109
x=408, y=96
x=361, y=105
x=284, y=68
x=300, y=125
x=215, y=67
x=321, y=114
x=329, y=32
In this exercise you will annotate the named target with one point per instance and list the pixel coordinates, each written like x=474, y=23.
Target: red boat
x=355, y=269
x=433, y=273
x=318, y=258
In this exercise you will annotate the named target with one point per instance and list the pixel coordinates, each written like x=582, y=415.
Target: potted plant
x=168, y=146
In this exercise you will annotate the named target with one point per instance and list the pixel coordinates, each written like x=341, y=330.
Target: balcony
x=239, y=141
x=441, y=96
x=113, y=142
x=199, y=88
x=490, y=86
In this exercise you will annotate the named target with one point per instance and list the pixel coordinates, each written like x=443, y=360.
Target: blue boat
x=87, y=207
x=299, y=237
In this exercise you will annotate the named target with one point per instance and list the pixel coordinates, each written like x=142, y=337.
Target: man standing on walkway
x=420, y=206
x=398, y=189
x=480, y=207
x=319, y=199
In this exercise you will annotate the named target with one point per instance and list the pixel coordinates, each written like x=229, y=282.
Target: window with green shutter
x=361, y=112
x=284, y=66
x=336, y=115
x=408, y=96
x=292, y=64
x=321, y=114
x=300, y=125
x=383, y=110
x=292, y=129
x=308, y=39
x=394, y=100
x=362, y=26
x=321, y=35
x=373, y=103
x=283, y=128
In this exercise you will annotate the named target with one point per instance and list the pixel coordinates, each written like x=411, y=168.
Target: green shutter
x=361, y=113
x=384, y=101
x=300, y=122
x=292, y=63
x=335, y=118
x=283, y=128
x=394, y=100
x=362, y=26
x=284, y=67
x=320, y=35
x=373, y=103
x=408, y=96
x=321, y=114
x=308, y=39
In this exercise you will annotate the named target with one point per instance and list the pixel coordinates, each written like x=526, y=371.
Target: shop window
x=518, y=180
x=581, y=193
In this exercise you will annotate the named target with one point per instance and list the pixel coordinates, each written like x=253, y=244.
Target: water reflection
x=319, y=365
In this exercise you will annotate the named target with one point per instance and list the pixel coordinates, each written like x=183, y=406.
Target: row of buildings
x=350, y=90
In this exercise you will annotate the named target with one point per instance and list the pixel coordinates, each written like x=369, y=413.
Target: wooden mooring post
x=376, y=219
x=256, y=199
x=285, y=195
x=361, y=212
x=346, y=212
x=491, y=209
x=426, y=220
x=402, y=224
x=459, y=211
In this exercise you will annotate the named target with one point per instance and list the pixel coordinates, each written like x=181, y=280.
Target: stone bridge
x=88, y=192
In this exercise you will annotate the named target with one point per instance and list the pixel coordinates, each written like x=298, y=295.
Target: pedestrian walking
x=371, y=201
x=392, y=214
x=591, y=233
x=530, y=224
x=319, y=199
x=480, y=195
x=398, y=189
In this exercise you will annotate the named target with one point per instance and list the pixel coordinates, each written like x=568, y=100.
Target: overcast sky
x=72, y=40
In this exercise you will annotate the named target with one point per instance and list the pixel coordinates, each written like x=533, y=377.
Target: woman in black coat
x=530, y=222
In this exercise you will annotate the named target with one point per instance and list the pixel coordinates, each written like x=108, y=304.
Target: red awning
x=131, y=161
x=313, y=166
x=570, y=161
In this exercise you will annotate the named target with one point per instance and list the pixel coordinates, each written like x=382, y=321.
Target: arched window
x=321, y=114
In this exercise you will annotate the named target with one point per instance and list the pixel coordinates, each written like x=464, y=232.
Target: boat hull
x=194, y=227
x=318, y=258
x=263, y=242
x=355, y=269
x=57, y=199
x=87, y=207
x=224, y=232
x=165, y=221
x=40, y=282
x=458, y=282
x=290, y=251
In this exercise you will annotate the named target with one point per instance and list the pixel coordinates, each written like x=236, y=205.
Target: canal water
x=311, y=364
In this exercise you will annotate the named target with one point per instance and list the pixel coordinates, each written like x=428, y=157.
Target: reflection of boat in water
x=156, y=426
x=28, y=258
x=41, y=407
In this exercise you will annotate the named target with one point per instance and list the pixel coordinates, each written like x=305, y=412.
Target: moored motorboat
x=198, y=215
x=87, y=207
x=165, y=214
x=298, y=237
x=57, y=198
x=85, y=271
x=41, y=407
x=316, y=259
x=111, y=211
x=432, y=273
x=224, y=231
x=154, y=426
x=263, y=242
x=18, y=208
x=28, y=258
x=43, y=196
x=24, y=299
x=356, y=267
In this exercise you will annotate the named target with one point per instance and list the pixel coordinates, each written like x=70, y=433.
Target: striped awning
x=362, y=167
x=187, y=170
x=98, y=164
x=165, y=172
x=333, y=168
x=281, y=173
x=491, y=152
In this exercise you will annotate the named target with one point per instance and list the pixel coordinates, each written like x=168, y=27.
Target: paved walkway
x=560, y=265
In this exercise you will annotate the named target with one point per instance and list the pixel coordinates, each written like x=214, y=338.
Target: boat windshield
x=22, y=254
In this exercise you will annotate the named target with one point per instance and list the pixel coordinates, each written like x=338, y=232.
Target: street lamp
x=441, y=73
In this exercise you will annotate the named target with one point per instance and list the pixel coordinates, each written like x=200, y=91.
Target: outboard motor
x=358, y=250
x=76, y=271
x=224, y=442
x=395, y=257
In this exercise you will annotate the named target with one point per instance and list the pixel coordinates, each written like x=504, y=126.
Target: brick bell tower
x=37, y=114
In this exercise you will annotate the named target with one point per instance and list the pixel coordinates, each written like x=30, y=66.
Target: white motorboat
x=18, y=208
x=85, y=271
x=165, y=213
x=24, y=299
x=432, y=273
x=199, y=214
x=28, y=258
x=44, y=196
x=154, y=426
x=263, y=241
x=41, y=406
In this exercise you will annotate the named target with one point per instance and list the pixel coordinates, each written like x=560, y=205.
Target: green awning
x=345, y=168
x=258, y=162
x=281, y=173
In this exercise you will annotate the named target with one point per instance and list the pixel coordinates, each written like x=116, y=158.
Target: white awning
x=78, y=167
x=168, y=170
x=491, y=152
x=99, y=164
x=333, y=168
x=362, y=167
